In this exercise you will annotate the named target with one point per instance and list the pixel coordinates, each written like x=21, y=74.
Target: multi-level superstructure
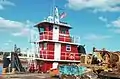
x=56, y=45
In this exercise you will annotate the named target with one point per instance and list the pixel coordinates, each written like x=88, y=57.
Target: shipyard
x=50, y=51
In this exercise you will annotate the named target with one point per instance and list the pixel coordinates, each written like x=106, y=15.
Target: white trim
x=77, y=61
x=61, y=24
x=42, y=59
x=68, y=47
x=55, y=65
x=57, y=51
x=58, y=42
x=55, y=32
x=64, y=34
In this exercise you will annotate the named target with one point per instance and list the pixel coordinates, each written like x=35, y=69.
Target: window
x=45, y=45
x=55, y=27
x=40, y=46
x=50, y=28
x=68, y=47
x=41, y=29
x=63, y=30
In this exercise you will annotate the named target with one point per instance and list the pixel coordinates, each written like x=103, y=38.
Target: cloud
x=6, y=44
x=95, y=5
x=96, y=37
x=1, y=7
x=18, y=28
x=116, y=23
x=22, y=32
x=10, y=41
x=102, y=19
x=5, y=3
x=27, y=30
x=7, y=24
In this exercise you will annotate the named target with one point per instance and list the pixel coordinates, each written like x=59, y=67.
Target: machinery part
x=81, y=49
x=15, y=63
x=54, y=72
x=4, y=71
x=87, y=59
x=114, y=57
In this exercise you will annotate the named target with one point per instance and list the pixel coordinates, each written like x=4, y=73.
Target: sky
x=97, y=22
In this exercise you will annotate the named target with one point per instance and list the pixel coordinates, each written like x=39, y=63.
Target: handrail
x=47, y=35
x=46, y=54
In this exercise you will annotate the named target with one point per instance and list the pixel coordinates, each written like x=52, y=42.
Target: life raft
x=71, y=56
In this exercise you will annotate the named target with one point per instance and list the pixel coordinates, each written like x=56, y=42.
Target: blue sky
x=97, y=22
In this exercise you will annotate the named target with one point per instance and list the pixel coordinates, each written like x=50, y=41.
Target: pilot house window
x=68, y=47
x=40, y=46
x=41, y=29
x=45, y=45
x=63, y=30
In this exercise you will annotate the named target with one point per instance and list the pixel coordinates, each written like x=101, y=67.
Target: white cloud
x=6, y=44
x=114, y=26
x=17, y=34
x=18, y=28
x=1, y=7
x=116, y=23
x=22, y=32
x=4, y=23
x=5, y=3
x=102, y=19
x=96, y=37
x=27, y=30
x=10, y=41
x=108, y=25
x=95, y=5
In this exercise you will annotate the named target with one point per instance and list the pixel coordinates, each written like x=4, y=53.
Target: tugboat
x=56, y=45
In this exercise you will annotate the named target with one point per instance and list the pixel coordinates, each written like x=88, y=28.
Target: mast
x=54, y=10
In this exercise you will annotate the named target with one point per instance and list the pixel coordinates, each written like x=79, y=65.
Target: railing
x=62, y=37
x=63, y=56
x=46, y=54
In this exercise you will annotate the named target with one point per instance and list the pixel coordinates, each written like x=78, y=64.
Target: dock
x=26, y=76
x=110, y=75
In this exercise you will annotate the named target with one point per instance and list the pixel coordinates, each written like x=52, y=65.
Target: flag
x=62, y=15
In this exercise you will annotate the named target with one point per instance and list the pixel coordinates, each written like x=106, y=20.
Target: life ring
x=71, y=56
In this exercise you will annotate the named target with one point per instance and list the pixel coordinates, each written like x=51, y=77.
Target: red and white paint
x=53, y=41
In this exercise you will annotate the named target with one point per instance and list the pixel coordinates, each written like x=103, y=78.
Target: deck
x=25, y=76
x=110, y=75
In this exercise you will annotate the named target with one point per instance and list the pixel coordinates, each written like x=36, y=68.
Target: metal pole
x=54, y=10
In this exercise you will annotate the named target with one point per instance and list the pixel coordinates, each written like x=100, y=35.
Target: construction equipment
x=86, y=59
x=13, y=61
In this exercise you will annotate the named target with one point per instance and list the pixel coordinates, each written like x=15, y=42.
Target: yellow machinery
x=105, y=59
x=86, y=59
